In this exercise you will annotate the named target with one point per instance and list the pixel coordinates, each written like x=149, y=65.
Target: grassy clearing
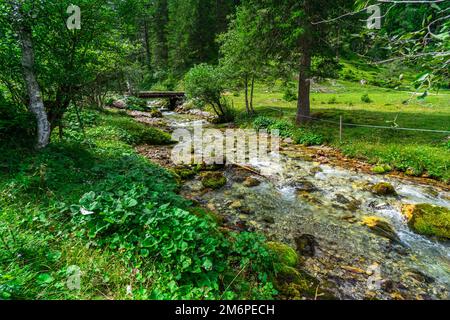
x=416, y=153
x=92, y=202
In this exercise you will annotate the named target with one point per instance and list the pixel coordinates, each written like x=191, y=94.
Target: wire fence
x=343, y=124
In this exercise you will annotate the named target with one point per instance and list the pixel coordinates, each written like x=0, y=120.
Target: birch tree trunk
x=36, y=103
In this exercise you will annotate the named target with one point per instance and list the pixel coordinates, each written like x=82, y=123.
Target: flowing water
x=347, y=257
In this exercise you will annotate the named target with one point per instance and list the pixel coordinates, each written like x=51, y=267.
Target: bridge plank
x=160, y=94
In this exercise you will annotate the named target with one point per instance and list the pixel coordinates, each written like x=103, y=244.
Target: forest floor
x=416, y=153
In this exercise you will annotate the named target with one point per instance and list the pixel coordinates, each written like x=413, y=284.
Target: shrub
x=366, y=99
x=285, y=128
x=308, y=138
x=290, y=93
x=15, y=122
x=136, y=104
x=262, y=122
x=333, y=100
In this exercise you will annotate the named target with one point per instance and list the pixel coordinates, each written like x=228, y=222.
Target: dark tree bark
x=304, y=85
x=304, y=79
x=148, y=54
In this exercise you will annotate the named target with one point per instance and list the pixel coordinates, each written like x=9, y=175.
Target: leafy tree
x=288, y=33
x=205, y=83
x=241, y=61
x=60, y=65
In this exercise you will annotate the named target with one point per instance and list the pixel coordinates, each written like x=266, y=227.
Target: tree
x=60, y=65
x=289, y=36
x=241, y=61
x=205, y=83
x=20, y=18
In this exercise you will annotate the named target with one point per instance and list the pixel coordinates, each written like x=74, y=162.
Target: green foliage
x=206, y=84
x=263, y=122
x=365, y=98
x=285, y=128
x=136, y=104
x=290, y=93
x=288, y=130
x=309, y=138
x=101, y=207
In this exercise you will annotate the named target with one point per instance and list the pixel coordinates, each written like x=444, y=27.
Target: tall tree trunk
x=36, y=103
x=148, y=54
x=246, y=94
x=252, y=91
x=304, y=79
x=304, y=84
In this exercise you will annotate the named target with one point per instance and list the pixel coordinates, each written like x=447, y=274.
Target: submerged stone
x=428, y=220
x=381, y=227
x=305, y=186
x=306, y=245
x=251, y=182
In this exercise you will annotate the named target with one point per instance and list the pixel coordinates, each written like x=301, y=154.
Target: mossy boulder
x=381, y=169
x=185, y=173
x=381, y=227
x=213, y=180
x=155, y=113
x=383, y=189
x=428, y=220
x=283, y=253
x=295, y=284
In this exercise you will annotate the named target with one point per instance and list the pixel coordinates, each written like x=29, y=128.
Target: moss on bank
x=428, y=220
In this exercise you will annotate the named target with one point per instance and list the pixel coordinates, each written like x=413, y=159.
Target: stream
x=318, y=208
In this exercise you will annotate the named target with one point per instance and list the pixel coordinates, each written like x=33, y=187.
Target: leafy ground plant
x=96, y=205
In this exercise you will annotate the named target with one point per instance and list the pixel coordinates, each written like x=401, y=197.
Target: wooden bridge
x=175, y=98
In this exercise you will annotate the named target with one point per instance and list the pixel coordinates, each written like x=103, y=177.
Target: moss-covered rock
x=155, y=113
x=213, y=180
x=383, y=189
x=294, y=284
x=381, y=169
x=185, y=173
x=284, y=254
x=381, y=227
x=428, y=220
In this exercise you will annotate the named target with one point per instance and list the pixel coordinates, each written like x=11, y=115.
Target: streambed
x=318, y=208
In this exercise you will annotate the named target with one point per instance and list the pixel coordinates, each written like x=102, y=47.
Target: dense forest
x=86, y=193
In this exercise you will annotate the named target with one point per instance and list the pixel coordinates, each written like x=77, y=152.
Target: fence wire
x=374, y=127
